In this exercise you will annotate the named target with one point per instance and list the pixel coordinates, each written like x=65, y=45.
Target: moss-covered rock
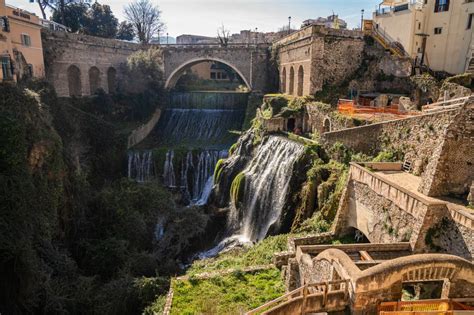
x=237, y=189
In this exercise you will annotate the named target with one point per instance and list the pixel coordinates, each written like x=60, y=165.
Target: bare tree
x=223, y=35
x=145, y=18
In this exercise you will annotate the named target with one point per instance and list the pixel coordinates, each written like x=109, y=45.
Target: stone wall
x=79, y=64
x=386, y=212
x=249, y=61
x=416, y=137
x=315, y=56
x=139, y=134
x=450, y=171
x=64, y=51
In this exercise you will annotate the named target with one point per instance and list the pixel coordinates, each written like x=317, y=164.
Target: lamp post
x=289, y=25
x=362, y=19
x=167, y=37
x=256, y=35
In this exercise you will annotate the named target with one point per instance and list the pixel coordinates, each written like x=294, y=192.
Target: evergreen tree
x=125, y=31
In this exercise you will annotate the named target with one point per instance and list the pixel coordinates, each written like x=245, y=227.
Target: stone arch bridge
x=79, y=65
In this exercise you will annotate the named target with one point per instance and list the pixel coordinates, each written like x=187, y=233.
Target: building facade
x=332, y=21
x=437, y=33
x=315, y=57
x=21, y=50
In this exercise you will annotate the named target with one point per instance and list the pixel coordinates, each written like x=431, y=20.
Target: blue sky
x=203, y=17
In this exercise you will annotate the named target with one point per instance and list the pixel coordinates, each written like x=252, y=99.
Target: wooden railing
x=305, y=292
x=445, y=306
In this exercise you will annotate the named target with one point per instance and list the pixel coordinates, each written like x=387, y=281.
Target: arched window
x=94, y=80
x=292, y=81
x=283, y=81
x=112, y=80
x=74, y=81
x=326, y=125
x=300, y=81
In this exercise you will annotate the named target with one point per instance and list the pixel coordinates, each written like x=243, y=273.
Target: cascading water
x=141, y=166
x=198, y=127
x=196, y=178
x=267, y=179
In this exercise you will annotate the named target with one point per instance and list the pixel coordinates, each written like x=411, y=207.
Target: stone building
x=21, y=49
x=332, y=21
x=368, y=278
x=317, y=56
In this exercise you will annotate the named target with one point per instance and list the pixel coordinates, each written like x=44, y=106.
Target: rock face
x=257, y=182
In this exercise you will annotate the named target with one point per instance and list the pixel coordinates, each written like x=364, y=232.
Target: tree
x=73, y=15
x=223, y=35
x=57, y=6
x=101, y=21
x=125, y=31
x=145, y=18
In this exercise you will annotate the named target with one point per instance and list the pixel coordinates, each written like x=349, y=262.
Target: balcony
x=400, y=7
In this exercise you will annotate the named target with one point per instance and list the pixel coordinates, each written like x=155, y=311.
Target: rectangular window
x=438, y=30
x=419, y=25
x=213, y=75
x=25, y=40
x=442, y=6
x=469, y=21
x=6, y=68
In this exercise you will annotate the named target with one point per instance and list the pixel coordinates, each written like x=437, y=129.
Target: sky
x=203, y=17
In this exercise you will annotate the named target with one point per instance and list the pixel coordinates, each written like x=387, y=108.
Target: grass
x=259, y=254
x=230, y=294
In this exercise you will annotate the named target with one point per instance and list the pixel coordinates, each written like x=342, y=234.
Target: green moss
x=230, y=294
x=237, y=189
x=218, y=171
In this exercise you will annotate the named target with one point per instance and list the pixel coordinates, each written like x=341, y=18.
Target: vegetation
x=96, y=20
x=228, y=294
x=145, y=18
x=75, y=235
x=259, y=254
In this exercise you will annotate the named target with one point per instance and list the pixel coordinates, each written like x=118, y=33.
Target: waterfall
x=169, y=179
x=198, y=127
x=267, y=179
x=140, y=166
x=196, y=176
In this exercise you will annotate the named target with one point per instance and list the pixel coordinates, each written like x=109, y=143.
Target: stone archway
x=283, y=81
x=173, y=78
x=299, y=91
x=291, y=89
x=74, y=81
x=94, y=80
x=112, y=80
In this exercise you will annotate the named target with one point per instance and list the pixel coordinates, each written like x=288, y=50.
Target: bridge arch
x=173, y=78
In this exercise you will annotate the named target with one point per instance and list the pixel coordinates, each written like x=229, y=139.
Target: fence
x=303, y=294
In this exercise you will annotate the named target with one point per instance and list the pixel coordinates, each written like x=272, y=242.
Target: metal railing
x=305, y=292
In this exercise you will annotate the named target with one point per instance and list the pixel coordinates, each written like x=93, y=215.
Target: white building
x=439, y=32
